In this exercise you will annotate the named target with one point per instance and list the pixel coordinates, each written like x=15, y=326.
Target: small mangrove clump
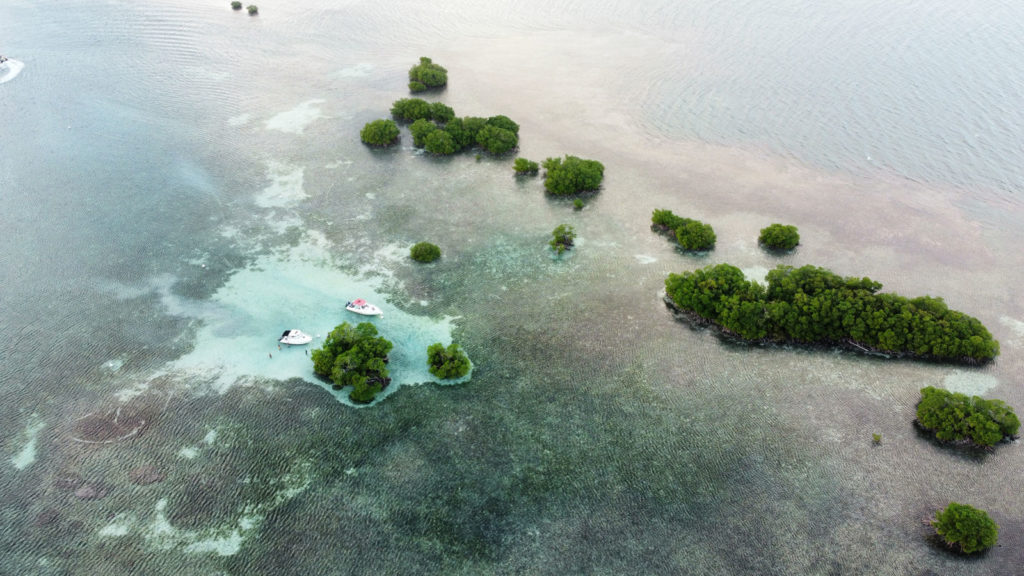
x=411, y=109
x=236, y=5
x=380, y=133
x=562, y=238
x=253, y=10
x=955, y=417
x=696, y=236
x=354, y=356
x=779, y=237
x=524, y=167
x=811, y=305
x=425, y=252
x=427, y=75
x=966, y=528
x=446, y=363
x=572, y=175
x=692, y=235
x=577, y=204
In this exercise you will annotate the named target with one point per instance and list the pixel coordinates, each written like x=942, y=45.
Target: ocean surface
x=180, y=182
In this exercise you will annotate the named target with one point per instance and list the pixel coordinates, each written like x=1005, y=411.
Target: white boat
x=360, y=306
x=295, y=338
x=9, y=68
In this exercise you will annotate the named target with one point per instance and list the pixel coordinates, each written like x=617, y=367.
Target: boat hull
x=364, y=308
x=366, y=311
x=295, y=338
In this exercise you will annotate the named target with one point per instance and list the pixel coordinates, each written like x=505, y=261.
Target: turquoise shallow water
x=181, y=182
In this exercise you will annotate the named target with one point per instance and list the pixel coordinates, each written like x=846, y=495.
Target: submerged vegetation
x=427, y=75
x=562, y=238
x=380, y=133
x=354, y=356
x=955, y=417
x=812, y=305
x=966, y=528
x=691, y=234
x=779, y=237
x=446, y=363
x=572, y=175
x=425, y=252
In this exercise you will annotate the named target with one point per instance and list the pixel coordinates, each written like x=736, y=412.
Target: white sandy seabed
x=10, y=69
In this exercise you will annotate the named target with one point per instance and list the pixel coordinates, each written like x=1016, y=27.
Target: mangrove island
x=354, y=356
x=447, y=363
x=961, y=419
x=965, y=528
x=427, y=75
x=425, y=252
x=692, y=235
x=811, y=305
x=380, y=133
x=779, y=237
x=572, y=175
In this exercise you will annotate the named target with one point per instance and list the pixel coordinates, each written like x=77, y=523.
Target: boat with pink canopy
x=360, y=306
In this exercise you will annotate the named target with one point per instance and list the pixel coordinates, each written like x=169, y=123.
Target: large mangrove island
x=811, y=305
x=354, y=356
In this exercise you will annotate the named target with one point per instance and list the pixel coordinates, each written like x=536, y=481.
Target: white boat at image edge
x=9, y=68
x=295, y=338
x=360, y=306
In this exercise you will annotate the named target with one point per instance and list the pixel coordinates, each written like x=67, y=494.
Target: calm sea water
x=180, y=182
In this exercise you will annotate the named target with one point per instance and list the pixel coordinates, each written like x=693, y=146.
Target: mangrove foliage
x=813, y=305
x=450, y=362
x=955, y=417
x=425, y=252
x=965, y=528
x=572, y=175
x=412, y=109
x=779, y=237
x=522, y=166
x=692, y=235
x=354, y=356
x=379, y=133
x=427, y=75
x=562, y=238
x=436, y=129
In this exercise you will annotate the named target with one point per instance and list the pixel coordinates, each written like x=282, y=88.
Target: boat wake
x=9, y=69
